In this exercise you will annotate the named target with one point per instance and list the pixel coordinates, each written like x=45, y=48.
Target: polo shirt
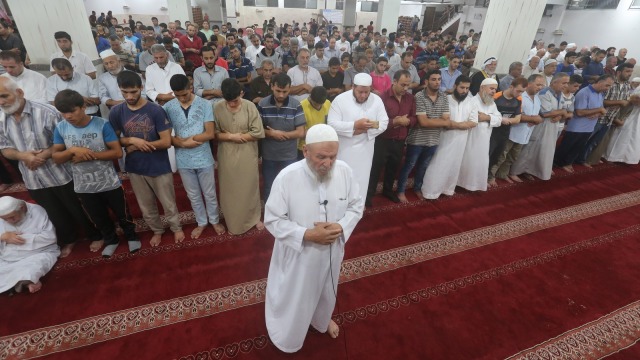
x=422, y=136
x=80, y=62
x=448, y=80
x=204, y=80
x=586, y=98
x=406, y=106
x=240, y=71
x=380, y=83
x=285, y=118
x=313, y=116
x=415, y=78
x=521, y=132
x=319, y=64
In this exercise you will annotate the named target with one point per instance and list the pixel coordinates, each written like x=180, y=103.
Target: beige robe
x=238, y=174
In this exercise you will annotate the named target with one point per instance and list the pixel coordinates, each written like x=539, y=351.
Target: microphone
x=323, y=202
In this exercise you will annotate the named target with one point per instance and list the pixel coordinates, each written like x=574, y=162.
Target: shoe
x=368, y=203
x=391, y=196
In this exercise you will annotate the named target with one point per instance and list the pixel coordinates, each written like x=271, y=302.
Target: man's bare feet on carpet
x=505, y=179
x=66, y=250
x=179, y=236
x=419, y=195
x=568, y=168
x=34, y=287
x=402, y=197
x=4, y=187
x=260, y=225
x=155, y=240
x=95, y=246
x=333, y=330
x=220, y=229
x=515, y=178
x=587, y=165
x=195, y=233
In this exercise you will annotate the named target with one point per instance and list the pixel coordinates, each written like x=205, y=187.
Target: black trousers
x=5, y=175
x=65, y=212
x=387, y=154
x=97, y=205
x=571, y=148
x=497, y=143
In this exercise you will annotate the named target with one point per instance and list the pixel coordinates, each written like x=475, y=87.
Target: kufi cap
x=572, y=45
x=362, y=79
x=550, y=62
x=488, y=61
x=9, y=204
x=489, y=81
x=320, y=133
x=106, y=53
x=635, y=79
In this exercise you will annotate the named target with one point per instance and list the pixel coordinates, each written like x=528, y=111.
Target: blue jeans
x=198, y=182
x=596, y=137
x=419, y=157
x=271, y=169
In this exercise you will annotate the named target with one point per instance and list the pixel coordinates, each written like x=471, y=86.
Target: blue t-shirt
x=89, y=176
x=586, y=98
x=200, y=112
x=145, y=123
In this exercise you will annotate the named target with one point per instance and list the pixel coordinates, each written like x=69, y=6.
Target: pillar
x=37, y=20
x=349, y=13
x=180, y=10
x=215, y=12
x=387, y=18
x=231, y=13
x=508, y=32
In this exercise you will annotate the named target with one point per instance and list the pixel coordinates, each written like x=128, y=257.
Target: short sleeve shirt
x=422, y=136
x=285, y=118
x=89, y=176
x=145, y=123
x=586, y=98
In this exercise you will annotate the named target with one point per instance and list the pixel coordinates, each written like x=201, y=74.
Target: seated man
x=28, y=248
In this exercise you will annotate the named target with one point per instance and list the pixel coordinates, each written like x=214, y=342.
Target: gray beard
x=487, y=99
x=11, y=109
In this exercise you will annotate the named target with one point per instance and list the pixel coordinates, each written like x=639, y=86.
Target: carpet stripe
x=100, y=328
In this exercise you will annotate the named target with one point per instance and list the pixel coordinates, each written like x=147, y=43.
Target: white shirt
x=80, y=62
x=81, y=83
x=299, y=77
x=129, y=46
x=157, y=79
x=252, y=52
x=33, y=84
x=343, y=46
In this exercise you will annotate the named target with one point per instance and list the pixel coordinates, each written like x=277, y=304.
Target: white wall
x=141, y=10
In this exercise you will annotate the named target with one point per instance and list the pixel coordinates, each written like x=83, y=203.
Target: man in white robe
x=475, y=161
x=442, y=174
x=358, y=116
x=28, y=247
x=312, y=210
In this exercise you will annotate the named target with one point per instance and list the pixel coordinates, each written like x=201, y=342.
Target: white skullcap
x=106, y=53
x=550, y=61
x=362, y=79
x=635, y=79
x=9, y=204
x=487, y=62
x=320, y=133
x=572, y=45
x=489, y=81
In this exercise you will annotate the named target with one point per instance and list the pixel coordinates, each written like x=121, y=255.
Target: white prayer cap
x=106, y=53
x=9, y=204
x=635, y=80
x=550, y=62
x=362, y=79
x=572, y=45
x=320, y=133
x=489, y=81
x=488, y=61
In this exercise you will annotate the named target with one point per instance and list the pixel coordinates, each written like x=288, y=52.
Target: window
x=339, y=4
x=261, y=3
x=301, y=4
x=369, y=6
x=592, y=4
x=635, y=4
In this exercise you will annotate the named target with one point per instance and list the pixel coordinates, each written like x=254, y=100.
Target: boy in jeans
x=91, y=145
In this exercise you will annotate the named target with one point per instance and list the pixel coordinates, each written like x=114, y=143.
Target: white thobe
x=302, y=274
x=625, y=140
x=474, y=169
x=33, y=259
x=442, y=174
x=357, y=150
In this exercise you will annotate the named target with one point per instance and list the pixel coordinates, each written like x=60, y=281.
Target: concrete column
x=180, y=10
x=509, y=29
x=387, y=18
x=215, y=13
x=231, y=13
x=37, y=21
x=349, y=13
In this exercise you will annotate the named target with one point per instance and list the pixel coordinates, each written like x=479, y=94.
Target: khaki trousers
x=147, y=189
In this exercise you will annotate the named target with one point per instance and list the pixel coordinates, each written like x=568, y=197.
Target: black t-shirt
x=508, y=108
x=13, y=42
x=330, y=82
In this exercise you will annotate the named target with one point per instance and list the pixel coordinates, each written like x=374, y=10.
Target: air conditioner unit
x=541, y=30
x=558, y=32
x=163, y=8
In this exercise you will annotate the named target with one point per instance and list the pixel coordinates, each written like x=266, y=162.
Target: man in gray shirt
x=207, y=79
x=65, y=78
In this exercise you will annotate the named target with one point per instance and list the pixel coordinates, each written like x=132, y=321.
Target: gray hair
x=10, y=84
x=514, y=65
x=158, y=48
x=557, y=76
x=293, y=41
x=533, y=77
x=267, y=62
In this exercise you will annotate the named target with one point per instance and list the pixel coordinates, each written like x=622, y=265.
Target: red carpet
x=542, y=269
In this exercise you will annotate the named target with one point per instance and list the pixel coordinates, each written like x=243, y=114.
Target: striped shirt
x=422, y=136
x=284, y=118
x=34, y=131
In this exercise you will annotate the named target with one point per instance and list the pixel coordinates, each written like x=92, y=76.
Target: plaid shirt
x=619, y=91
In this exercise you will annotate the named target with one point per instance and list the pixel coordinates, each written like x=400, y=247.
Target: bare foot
x=419, y=195
x=403, y=199
x=66, y=250
x=195, y=233
x=155, y=240
x=34, y=287
x=508, y=180
x=220, y=229
x=587, y=165
x=529, y=177
x=333, y=329
x=553, y=172
x=568, y=168
x=4, y=187
x=96, y=245
x=178, y=236
x=260, y=225
x=515, y=178
x=492, y=183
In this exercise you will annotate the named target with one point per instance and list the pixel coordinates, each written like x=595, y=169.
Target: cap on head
x=106, y=53
x=320, y=133
x=9, y=204
x=362, y=79
x=489, y=81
